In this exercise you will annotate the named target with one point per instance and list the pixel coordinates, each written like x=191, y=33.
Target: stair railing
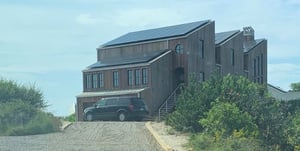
x=166, y=104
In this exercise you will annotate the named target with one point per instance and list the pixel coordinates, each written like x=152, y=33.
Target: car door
x=100, y=109
x=110, y=112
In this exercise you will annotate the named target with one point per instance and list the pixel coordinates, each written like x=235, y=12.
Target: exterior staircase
x=169, y=105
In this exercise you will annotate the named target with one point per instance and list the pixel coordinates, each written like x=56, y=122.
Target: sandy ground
x=86, y=136
x=174, y=139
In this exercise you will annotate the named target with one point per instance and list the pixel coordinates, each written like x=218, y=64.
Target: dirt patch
x=176, y=140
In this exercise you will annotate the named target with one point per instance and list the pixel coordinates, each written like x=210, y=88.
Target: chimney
x=248, y=33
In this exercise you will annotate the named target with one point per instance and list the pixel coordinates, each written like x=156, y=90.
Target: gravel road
x=87, y=136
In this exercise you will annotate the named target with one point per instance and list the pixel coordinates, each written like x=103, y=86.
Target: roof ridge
x=156, y=33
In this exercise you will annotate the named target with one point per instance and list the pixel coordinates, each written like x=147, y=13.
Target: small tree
x=295, y=87
x=21, y=110
x=224, y=119
x=293, y=131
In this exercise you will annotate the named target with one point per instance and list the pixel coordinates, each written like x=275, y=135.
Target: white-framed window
x=88, y=81
x=137, y=77
x=101, y=80
x=130, y=77
x=145, y=75
x=115, y=78
x=95, y=81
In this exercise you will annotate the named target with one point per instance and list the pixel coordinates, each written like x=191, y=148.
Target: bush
x=40, y=124
x=293, y=131
x=204, y=141
x=70, y=118
x=223, y=119
x=21, y=111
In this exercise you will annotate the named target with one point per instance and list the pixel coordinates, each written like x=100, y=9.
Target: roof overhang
x=110, y=93
x=129, y=65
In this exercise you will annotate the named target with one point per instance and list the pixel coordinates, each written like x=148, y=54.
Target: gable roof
x=251, y=44
x=283, y=95
x=157, y=33
x=223, y=36
x=127, y=60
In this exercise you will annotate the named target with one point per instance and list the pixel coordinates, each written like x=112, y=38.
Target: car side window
x=111, y=102
x=101, y=103
x=123, y=101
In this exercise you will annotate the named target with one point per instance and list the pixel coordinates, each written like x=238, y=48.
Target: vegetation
x=70, y=118
x=21, y=111
x=232, y=113
x=295, y=87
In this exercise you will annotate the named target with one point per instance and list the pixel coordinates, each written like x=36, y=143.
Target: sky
x=47, y=43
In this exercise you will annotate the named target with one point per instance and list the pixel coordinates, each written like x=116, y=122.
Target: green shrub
x=40, y=124
x=204, y=141
x=223, y=119
x=70, y=118
x=21, y=111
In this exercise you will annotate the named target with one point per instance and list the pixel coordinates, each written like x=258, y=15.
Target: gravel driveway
x=87, y=136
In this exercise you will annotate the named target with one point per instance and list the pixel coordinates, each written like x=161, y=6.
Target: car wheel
x=122, y=116
x=89, y=117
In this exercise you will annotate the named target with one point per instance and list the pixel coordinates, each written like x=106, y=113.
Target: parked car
x=120, y=108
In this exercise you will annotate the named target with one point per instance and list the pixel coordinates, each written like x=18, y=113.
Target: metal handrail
x=166, y=102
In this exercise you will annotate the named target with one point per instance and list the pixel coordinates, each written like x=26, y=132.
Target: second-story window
x=179, y=48
x=95, y=81
x=101, y=80
x=88, y=81
x=145, y=75
x=137, y=77
x=254, y=67
x=201, y=49
x=115, y=78
x=130, y=77
x=232, y=57
x=262, y=64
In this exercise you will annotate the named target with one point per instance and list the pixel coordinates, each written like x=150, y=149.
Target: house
x=152, y=63
x=282, y=95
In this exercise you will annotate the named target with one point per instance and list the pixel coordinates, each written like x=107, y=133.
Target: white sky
x=49, y=42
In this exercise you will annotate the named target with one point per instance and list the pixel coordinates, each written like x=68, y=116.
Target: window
x=262, y=64
x=95, y=81
x=115, y=78
x=201, y=77
x=218, y=55
x=254, y=67
x=219, y=69
x=101, y=80
x=258, y=65
x=130, y=77
x=88, y=81
x=179, y=49
x=101, y=102
x=137, y=77
x=145, y=75
x=201, y=49
x=232, y=57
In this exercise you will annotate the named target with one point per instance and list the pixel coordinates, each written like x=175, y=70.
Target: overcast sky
x=49, y=42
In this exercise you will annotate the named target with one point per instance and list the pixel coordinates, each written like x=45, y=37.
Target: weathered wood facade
x=154, y=64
